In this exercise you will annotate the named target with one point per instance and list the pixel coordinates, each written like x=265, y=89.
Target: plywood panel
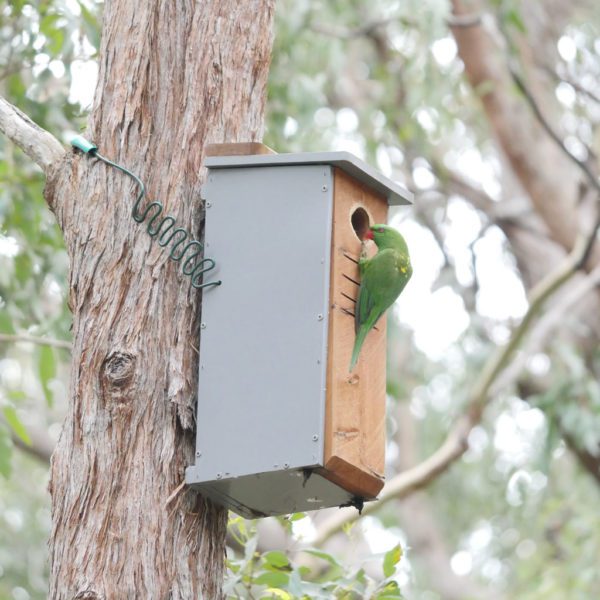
x=355, y=402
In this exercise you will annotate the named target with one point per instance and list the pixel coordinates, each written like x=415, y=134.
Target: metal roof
x=395, y=193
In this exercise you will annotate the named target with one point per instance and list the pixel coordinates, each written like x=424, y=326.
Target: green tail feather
x=360, y=338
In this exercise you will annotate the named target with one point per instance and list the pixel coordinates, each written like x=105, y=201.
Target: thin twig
x=365, y=30
x=574, y=84
x=40, y=447
x=32, y=339
x=520, y=83
x=584, y=167
x=472, y=20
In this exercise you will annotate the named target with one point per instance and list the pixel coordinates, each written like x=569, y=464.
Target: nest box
x=282, y=425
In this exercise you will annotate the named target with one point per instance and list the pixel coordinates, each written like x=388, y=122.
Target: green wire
x=161, y=228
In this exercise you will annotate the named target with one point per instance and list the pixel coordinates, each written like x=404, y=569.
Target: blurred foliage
x=273, y=574
x=381, y=79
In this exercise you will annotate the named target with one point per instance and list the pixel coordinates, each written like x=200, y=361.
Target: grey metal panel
x=395, y=193
x=263, y=349
x=277, y=493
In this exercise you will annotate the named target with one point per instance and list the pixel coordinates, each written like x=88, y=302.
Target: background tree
x=489, y=112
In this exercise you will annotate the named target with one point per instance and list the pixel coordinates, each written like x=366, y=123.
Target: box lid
x=395, y=193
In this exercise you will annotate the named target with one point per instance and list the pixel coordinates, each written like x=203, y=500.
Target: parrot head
x=385, y=236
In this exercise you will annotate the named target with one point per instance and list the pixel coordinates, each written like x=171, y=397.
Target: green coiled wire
x=161, y=228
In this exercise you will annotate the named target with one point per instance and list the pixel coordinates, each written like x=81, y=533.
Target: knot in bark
x=88, y=595
x=117, y=381
x=118, y=369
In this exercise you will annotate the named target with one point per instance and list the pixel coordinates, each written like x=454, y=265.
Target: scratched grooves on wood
x=355, y=410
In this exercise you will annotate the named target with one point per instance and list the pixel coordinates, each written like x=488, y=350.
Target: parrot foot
x=306, y=476
x=357, y=502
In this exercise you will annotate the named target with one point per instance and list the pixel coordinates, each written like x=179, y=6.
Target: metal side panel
x=263, y=348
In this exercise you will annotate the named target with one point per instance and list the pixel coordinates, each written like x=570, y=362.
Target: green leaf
x=47, y=370
x=324, y=556
x=276, y=593
x=6, y=325
x=391, y=559
x=390, y=592
x=5, y=452
x=276, y=560
x=91, y=25
x=295, y=585
x=513, y=17
x=297, y=516
x=10, y=414
x=273, y=579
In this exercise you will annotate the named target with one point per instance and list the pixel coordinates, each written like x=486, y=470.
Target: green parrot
x=382, y=279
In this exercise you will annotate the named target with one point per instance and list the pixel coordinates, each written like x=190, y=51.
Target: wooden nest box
x=282, y=425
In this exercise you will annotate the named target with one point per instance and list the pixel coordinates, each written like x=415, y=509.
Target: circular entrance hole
x=360, y=222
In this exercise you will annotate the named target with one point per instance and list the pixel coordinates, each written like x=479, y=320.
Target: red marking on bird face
x=369, y=235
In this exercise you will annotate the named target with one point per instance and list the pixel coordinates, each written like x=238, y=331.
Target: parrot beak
x=369, y=235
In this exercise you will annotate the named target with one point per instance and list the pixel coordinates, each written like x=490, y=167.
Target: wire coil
x=164, y=230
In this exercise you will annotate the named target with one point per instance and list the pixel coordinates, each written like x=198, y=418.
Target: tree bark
x=173, y=77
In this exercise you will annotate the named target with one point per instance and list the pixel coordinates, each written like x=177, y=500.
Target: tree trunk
x=173, y=76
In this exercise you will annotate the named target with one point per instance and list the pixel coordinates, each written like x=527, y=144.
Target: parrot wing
x=381, y=283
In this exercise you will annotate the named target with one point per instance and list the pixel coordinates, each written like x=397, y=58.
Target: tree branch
x=365, y=30
x=42, y=147
x=552, y=190
x=40, y=448
x=32, y=339
x=546, y=325
x=587, y=460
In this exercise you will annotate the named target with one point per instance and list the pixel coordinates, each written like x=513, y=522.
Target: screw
x=319, y=317
x=286, y=465
x=208, y=205
x=202, y=325
x=219, y=475
x=324, y=188
x=198, y=454
x=315, y=437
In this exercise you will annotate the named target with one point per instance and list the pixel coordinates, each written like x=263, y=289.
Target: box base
x=274, y=493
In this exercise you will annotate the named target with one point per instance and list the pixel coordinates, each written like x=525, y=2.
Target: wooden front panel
x=355, y=412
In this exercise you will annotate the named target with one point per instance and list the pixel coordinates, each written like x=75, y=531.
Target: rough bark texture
x=173, y=77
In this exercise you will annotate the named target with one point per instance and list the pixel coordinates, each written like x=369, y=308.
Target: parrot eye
x=380, y=230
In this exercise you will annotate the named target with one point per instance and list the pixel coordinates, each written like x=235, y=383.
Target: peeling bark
x=173, y=77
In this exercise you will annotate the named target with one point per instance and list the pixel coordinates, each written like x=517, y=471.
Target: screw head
x=319, y=317
x=219, y=475
x=208, y=205
x=315, y=437
x=198, y=454
x=324, y=188
x=286, y=465
x=202, y=325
